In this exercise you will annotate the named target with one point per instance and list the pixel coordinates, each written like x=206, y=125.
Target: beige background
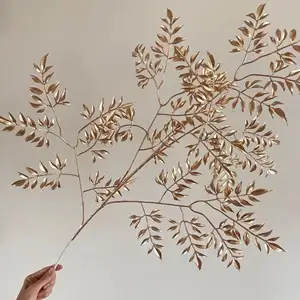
x=90, y=44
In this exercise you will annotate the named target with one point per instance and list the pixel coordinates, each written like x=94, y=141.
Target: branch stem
x=51, y=106
x=80, y=187
x=270, y=53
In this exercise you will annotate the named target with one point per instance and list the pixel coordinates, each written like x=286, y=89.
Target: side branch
x=270, y=53
x=50, y=105
x=266, y=76
x=238, y=223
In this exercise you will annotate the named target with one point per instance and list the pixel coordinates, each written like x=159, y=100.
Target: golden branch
x=196, y=110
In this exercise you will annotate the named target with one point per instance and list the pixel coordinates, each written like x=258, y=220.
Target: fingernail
x=51, y=271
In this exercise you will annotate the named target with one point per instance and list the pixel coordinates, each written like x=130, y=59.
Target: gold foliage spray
x=194, y=116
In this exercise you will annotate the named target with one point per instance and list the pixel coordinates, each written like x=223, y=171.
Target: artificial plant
x=195, y=115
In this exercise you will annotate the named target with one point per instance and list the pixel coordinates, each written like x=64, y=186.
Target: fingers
x=51, y=283
x=47, y=278
x=32, y=278
x=48, y=288
x=40, y=273
x=44, y=281
x=45, y=293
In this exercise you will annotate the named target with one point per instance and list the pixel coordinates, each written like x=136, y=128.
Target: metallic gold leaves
x=42, y=176
x=45, y=89
x=150, y=234
x=194, y=117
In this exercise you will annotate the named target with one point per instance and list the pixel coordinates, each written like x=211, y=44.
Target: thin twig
x=236, y=222
x=187, y=231
x=270, y=53
x=248, y=96
x=88, y=148
x=52, y=174
x=172, y=97
x=266, y=76
x=98, y=188
x=51, y=106
x=215, y=229
x=60, y=137
x=243, y=63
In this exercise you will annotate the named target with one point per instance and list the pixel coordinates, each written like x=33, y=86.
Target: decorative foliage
x=195, y=116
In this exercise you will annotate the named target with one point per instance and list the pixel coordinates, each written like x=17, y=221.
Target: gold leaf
x=44, y=183
x=52, y=88
x=30, y=137
x=22, y=119
x=234, y=43
x=186, y=250
x=170, y=15
x=280, y=113
x=36, y=79
x=157, y=252
x=26, y=185
x=293, y=34
x=43, y=62
x=32, y=171
x=194, y=57
x=34, y=184
x=260, y=10
x=294, y=72
x=246, y=238
x=276, y=247
x=198, y=262
x=211, y=59
x=53, y=166
x=48, y=77
x=259, y=192
x=36, y=91
x=264, y=25
x=296, y=48
x=177, y=40
x=249, y=24
x=237, y=264
x=162, y=38
x=252, y=15
x=257, y=244
x=42, y=167
x=256, y=227
x=182, y=240
x=251, y=107
x=165, y=29
x=142, y=232
x=41, y=142
x=21, y=132
x=278, y=35
x=177, y=29
x=245, y=31
x=5, y=121
x=238, y=188
x=19, y=182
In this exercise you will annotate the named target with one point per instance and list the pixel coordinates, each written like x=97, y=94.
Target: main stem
x=127, y=202
x=80, y=187
x=128, y=177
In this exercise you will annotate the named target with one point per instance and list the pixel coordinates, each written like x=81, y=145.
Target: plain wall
x=90, y=44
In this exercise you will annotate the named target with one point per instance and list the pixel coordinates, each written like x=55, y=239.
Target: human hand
x=39, y=285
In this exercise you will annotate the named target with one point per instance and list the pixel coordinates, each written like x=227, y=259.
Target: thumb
x=37, y=286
